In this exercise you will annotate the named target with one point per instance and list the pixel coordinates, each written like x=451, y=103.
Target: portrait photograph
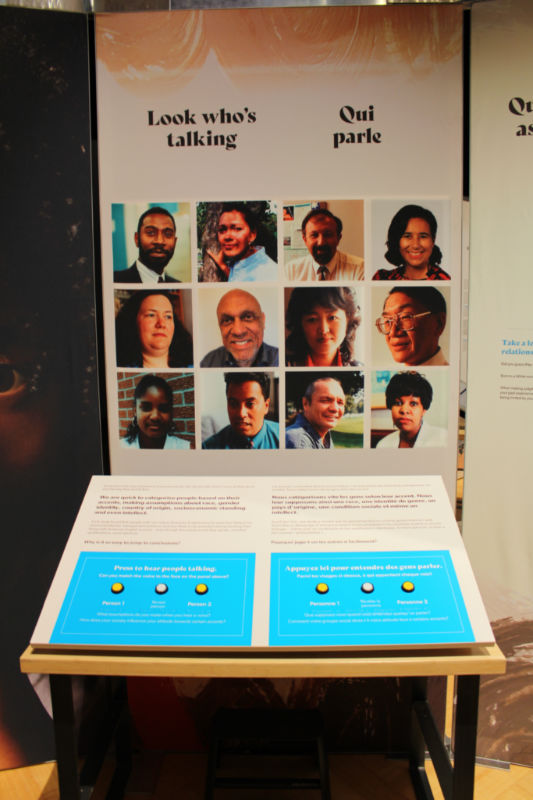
x=237, y=327
x=410, y=239
x=240, y=410
x=237, y=241
x=151, y=242
x=324, y=409
x=156, y=410
x=153, y=328
x=323, y=326
x=323, y=240
x=409, y=408
x=410, y=325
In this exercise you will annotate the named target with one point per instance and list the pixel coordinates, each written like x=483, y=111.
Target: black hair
x=308, y=394
x=403, y=384
x=238, y=378
x=141, y=388
x=152, y=380
x=427, y=296
x=155, y=210
x=397, y=229
x=241, y=208
x=322, y=212
x=258, y=217
x=302, y=301
x=129, y=353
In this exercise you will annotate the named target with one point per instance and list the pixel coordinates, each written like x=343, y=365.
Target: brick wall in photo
x=182, y=386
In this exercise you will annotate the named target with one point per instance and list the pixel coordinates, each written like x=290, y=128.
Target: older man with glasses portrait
x=412, y=321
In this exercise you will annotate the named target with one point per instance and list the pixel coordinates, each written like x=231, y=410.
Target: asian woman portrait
x=321, y=324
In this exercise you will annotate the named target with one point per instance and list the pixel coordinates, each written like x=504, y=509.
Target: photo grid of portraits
x=282, y=325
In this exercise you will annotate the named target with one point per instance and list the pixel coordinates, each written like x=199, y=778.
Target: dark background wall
x=50, y=439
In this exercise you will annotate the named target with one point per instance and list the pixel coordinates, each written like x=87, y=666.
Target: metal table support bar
x=456, y=780
x=65, y=736
x=115, y=727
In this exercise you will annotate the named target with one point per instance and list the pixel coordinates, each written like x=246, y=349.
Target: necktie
x=323, y=273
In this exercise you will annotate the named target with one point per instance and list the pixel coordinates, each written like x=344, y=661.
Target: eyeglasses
x=403, y=322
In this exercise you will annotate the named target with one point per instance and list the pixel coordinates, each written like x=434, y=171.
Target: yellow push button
x=161, y=588
x=117, y=588
x=367, y=587
x=322, y=588
x=408, y=586
x=201, y=588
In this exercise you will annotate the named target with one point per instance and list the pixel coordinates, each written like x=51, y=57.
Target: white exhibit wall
x=498, y=501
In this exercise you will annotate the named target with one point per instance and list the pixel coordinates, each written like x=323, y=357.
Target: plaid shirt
x=434, y=273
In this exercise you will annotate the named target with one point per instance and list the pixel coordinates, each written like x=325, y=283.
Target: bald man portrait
x=242, y=325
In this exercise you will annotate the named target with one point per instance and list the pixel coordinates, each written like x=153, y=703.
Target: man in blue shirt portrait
x=248, y=403
x=323, y=406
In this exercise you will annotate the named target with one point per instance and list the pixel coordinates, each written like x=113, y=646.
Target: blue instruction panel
x=383, y=598
x=158, y=599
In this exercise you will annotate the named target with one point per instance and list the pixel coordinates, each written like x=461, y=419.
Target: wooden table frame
x=466, y=664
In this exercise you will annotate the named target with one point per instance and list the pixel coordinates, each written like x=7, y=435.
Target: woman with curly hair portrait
x=150, y=334
x=235, y=245
x=321, y=324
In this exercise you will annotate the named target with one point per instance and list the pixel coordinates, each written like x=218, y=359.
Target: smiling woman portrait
x=149, y=332
x=238, y=242
x=411, y=247
x=152, y=426
x=321, y=325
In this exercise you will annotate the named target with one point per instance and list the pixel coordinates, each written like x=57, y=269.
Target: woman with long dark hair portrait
x=150, y=334
x=322, y=323
x=411, y=247
x=152, y=426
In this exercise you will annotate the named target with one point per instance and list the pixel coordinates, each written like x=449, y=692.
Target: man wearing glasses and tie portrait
x=321, y=232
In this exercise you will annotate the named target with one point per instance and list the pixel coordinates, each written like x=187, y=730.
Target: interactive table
x=264, y=563
x=467, y=665
x=337, y=577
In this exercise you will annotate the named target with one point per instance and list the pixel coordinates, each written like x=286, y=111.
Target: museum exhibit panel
x=313, y=158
